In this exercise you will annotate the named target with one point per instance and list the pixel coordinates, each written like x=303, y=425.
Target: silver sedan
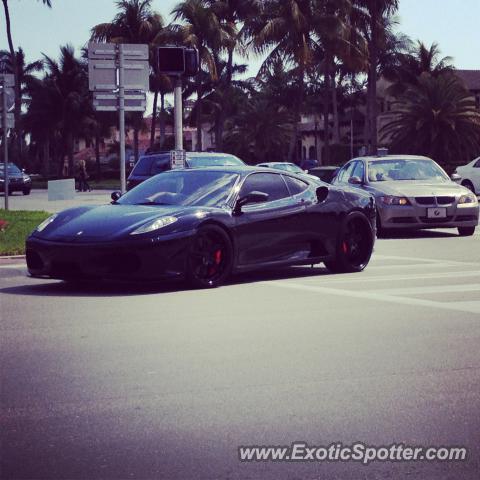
x=412, y=192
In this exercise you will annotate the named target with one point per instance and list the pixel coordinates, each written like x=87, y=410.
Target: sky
x=454, y=25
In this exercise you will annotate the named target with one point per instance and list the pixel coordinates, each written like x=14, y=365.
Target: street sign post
x=119, y=78
x=7, y=82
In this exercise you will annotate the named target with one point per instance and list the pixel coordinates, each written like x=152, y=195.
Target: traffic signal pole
x=178, y=107
x=5, y=145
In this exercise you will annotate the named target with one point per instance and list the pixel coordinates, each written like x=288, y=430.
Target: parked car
x=153, y=164
x=204, y=224
x=470, y=175
x=18, y=181
x=412, y=192
x=325, y=173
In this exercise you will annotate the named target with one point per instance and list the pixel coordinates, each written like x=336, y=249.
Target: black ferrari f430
x=206, y=224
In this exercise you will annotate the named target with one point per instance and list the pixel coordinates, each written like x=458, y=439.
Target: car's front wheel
x=210, y=259
x=354, y=245
x=26, y=191
x=466, y=231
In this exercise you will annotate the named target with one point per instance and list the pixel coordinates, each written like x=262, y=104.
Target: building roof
x=471, y=78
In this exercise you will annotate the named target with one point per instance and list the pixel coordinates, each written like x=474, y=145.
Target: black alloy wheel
x=354, y=245
x=210, y=259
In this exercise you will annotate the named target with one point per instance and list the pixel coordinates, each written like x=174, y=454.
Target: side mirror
x=355, y=180
x=252, y=197
x=115, y=195
x=455, y=177
x=322, y=194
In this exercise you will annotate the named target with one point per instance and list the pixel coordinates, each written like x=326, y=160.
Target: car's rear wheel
x=468, y=184
x=466, y=231
x=354, y=245
x=210, y=260
x=26, y=191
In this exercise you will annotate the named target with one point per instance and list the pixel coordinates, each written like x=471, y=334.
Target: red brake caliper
x=217, y=259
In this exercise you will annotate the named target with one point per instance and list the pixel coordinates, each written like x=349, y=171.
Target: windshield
x=11, y=169
x=402, y=169
x=213, y=161
x=143, y=166
x=183, y=187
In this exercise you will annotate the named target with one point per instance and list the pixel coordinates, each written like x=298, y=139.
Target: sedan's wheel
x=468, y=184
x=466, y=231
x=26, y=191
x=210, y=259
x=354, y=245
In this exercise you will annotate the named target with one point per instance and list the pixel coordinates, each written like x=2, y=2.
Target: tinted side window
x=345, y=173
x=295, y=186
x=477, y=165
x=142, y=167
x=359, y=170
x=270, y=183
x=160, y=164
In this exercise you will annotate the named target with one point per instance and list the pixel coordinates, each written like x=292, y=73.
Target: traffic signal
x=177, y=61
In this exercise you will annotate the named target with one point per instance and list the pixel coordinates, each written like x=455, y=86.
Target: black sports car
x=204, y=224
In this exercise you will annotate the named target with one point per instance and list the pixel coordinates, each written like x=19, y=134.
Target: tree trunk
x=326, y=127
x=199, y=147
x=71, y=170
x=135, y=144
x=97, y=156
x=292, y=149
x=154, y=118
x=372, y=77
x=17, y=152
x=317, y=157
x=336, y=123
x=162, y=120
x=46, y=158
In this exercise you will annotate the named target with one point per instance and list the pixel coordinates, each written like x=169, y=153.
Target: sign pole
x=121, y=111
x=5, y=145
x=178, y=114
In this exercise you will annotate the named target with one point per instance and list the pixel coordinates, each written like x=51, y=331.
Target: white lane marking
x=472, y=307
x=414, y=265
x=13, y=266
x=467, y=287
x=364, y=277
x=418, y=259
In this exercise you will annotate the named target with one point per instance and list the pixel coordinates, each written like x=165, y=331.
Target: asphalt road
x=161, y=382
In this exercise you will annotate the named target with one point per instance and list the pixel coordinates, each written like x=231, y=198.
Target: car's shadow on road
x=58, y=288
x=412, y=234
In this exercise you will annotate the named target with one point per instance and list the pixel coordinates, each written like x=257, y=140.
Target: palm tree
x=285, y=30
x=67, y=84
x=17, y=87
x=135, y=22
x=415, y=62
x=378, y=14
x=202, y=29
x=437, y=118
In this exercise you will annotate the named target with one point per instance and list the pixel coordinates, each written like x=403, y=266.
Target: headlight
x=467, y=200
x=26, y=178
x=155, y=225
x=389, y=200
x=47, y=222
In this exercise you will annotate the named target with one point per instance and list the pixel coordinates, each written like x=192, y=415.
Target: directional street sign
x=108, y=102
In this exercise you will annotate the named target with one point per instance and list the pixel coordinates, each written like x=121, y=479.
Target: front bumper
x=148, y=259
x=416, y=216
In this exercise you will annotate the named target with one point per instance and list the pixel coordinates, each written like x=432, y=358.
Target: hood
x=106, y=222
x=402, y=188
